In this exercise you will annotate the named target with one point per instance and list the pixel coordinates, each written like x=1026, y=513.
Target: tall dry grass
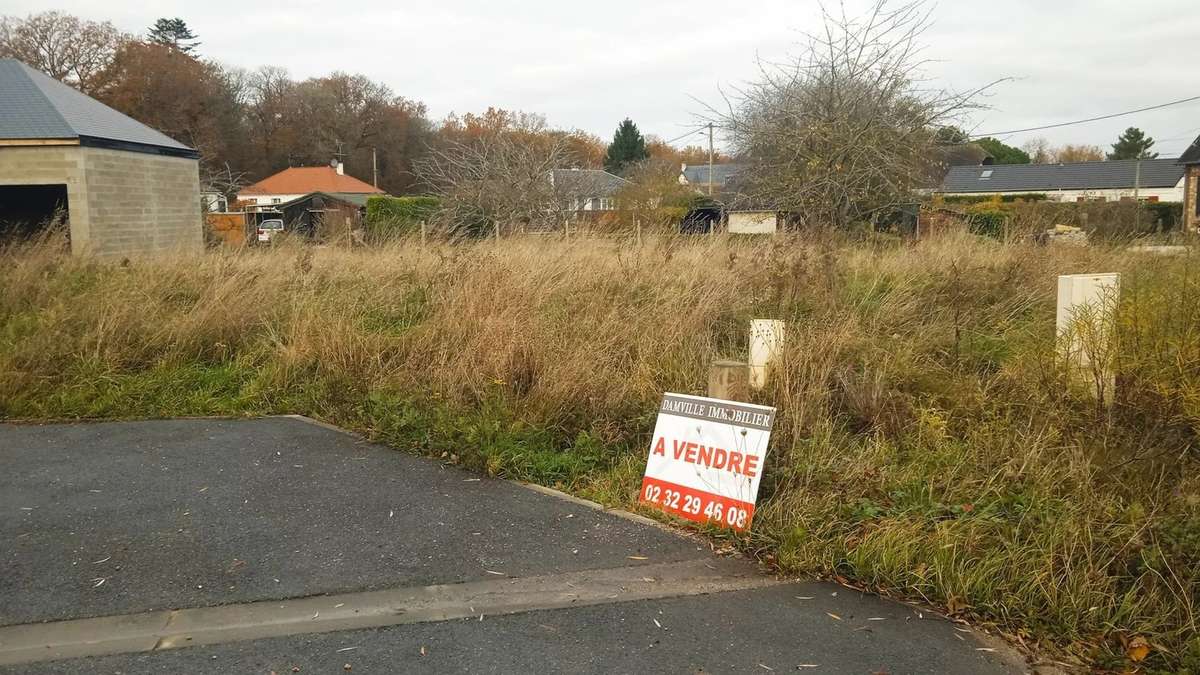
x=928, y=443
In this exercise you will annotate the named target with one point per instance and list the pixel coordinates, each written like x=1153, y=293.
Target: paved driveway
x=109, y=528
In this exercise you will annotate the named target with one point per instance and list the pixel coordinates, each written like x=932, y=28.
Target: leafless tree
x=1039, y=150
x=1077, y=153
x=65, y=47
x=223, y=179
x=844, y=130
x=499, y=178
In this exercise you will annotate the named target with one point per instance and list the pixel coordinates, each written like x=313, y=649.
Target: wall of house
x=752, y=222
x=269, y=200
x=119, y=202
x=51, y=165
x=1170, y=194
x=140, y=203
x=1191, y=198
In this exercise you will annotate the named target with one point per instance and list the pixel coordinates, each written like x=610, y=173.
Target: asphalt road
x=192, y=513
x=111, y=519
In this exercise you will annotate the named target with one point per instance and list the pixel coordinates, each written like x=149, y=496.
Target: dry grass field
x=929, y=444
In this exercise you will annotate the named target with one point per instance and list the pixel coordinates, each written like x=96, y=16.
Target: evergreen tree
x=1002, y=152
x=1132, y=144
x=174, y=33
x=627, y=147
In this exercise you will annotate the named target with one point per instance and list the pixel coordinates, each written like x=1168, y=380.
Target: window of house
x=987, y=173
x=606, y=204
x=595, y=204
x=276, y=200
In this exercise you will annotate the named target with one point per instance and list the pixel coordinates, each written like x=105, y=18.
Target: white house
x=1155, y=180
x=586, y=189
x=298, y=181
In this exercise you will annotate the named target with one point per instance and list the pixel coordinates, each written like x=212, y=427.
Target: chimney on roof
x=337, y=166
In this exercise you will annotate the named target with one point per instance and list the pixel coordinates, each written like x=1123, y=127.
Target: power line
x=697, y=129
x=1090, y=119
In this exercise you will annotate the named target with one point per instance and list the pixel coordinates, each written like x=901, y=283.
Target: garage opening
x=30, y=210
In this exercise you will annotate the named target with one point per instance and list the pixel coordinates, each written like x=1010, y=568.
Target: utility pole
x=710, y=158
x=1137, y=205
x=374, y=169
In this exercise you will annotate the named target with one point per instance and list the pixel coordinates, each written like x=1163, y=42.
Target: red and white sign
x=706, y=459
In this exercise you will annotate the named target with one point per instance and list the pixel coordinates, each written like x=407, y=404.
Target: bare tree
x=497, y=179
x=845, y=130
x=1039, y=150
x=223, y=179
x=65, y=47
x=1077, y=153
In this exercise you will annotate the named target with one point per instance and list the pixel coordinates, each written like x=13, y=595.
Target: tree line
x=248, y=124
x=1133, y=143
x=844, y=132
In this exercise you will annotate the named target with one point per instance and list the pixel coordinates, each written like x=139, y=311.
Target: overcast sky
x=588, y=65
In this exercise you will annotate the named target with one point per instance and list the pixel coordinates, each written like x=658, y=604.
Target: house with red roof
x=298, y=181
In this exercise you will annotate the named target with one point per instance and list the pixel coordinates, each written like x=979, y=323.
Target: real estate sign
x=706, y=459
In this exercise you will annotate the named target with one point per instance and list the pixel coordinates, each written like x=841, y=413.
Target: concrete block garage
x=122, y=187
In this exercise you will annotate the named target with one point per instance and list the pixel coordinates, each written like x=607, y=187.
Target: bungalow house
x=1190, y=161
x=586, y=190
x=298, y=181
x=1148, y=179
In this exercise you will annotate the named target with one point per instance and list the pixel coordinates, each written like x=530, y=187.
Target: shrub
x=996, y=217
x=390, y=216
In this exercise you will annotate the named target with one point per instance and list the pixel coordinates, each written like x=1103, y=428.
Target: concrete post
x=766, y=341
x=727, y=380
x=422, y=234
x=1086, y=305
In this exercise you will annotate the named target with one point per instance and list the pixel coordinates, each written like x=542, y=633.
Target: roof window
x=986, y=174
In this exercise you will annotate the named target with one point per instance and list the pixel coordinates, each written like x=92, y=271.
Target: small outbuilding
x=123, y=187
x=324, y=214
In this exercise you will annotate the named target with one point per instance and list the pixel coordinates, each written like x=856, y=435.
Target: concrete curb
x=171, y=629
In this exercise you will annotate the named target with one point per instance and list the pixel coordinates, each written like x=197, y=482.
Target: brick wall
x=141, y=203
x=1191, y=195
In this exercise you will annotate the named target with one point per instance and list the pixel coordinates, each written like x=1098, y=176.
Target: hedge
x=398, y=215
x=1105, y=220
x=979, y=199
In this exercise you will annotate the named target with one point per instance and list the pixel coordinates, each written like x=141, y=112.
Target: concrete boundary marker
x=172, y=629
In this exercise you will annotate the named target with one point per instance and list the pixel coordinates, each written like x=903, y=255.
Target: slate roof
x=698, y=174
x=302, y=180
x=585, y=183
x=1192, y=154
x=1115, y=174
x=34, y=105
